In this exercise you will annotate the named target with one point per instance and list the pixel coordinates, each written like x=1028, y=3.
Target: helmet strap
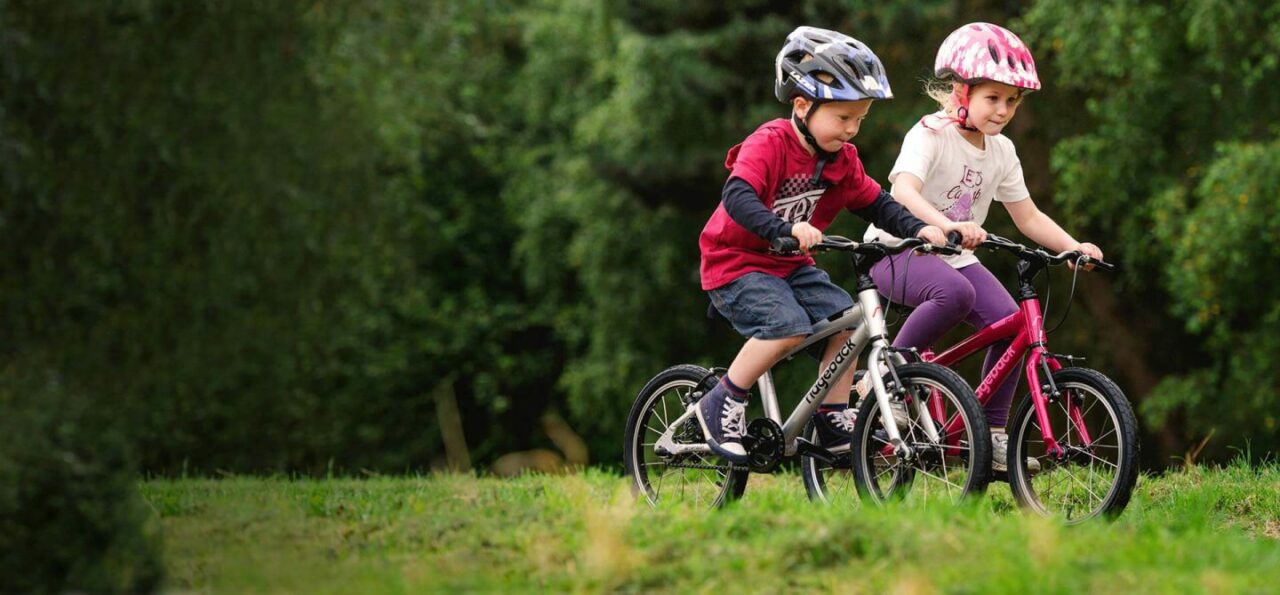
x=961, y=97
x=824, y=157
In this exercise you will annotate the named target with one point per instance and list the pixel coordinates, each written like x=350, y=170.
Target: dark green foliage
x=1174, y=160
x=266, y=234
x=70, y=515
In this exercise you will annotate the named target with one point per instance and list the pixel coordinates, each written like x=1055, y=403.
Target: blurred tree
x=1168, y=151
x=266, y=235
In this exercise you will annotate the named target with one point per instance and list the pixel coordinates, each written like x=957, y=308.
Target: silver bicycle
x=666, y=454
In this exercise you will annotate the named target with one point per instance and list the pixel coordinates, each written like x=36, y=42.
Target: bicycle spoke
x=663, y=416
x=657, y=492
x=1083, y=485
x=941, y=479
x=1104, y=437
x=1102, y=460
x=1084, y=414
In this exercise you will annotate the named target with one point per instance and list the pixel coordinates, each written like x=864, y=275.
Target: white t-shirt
x=960, y=180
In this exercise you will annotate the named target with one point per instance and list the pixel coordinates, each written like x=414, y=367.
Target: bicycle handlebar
x=995, y=242
x=790, y=245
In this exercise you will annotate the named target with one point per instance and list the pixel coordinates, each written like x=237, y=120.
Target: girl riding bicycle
x=952, y=165
x=791, y=177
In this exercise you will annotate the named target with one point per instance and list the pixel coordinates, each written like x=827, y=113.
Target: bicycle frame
x=1026, y=328
x=866, y=318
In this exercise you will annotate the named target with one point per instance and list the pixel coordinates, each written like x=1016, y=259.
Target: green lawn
x=1203, y=530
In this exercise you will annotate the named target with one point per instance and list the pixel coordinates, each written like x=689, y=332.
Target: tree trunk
x=455, y=444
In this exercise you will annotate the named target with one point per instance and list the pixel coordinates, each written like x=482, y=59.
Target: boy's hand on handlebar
x=1090, y=250
x=971, y=234
x=808, y=235
x=933, y=235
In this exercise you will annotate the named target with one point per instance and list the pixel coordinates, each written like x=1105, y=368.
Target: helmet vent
x=994, y=56
x=829, y=79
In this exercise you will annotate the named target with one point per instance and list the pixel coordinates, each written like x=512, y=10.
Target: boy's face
x=835, y=123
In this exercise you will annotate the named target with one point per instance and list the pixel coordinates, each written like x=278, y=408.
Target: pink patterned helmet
x=984, y=52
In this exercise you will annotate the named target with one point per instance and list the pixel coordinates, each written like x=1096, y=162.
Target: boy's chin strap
x=824, y=157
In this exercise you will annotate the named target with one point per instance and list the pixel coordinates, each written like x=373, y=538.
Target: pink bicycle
x=1076, y=424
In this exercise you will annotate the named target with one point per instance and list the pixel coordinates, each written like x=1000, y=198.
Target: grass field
x=1202, y=530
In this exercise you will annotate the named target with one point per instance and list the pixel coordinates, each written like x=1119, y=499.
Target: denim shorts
x=762, y=306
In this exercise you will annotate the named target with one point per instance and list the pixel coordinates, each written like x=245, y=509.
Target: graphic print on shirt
x=964, y=195
x=796, y=199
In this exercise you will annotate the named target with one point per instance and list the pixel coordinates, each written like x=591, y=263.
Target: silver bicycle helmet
x=824, y=66
x=853, y=69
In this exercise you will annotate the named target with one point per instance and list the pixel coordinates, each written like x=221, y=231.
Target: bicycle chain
x=706, y=466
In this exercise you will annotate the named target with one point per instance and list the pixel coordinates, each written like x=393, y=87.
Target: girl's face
x=992, y=105
x=835, y=122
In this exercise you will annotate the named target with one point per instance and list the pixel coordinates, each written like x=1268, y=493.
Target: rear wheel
x=950, y=469
x=1090, y=479
x=830, y=483
x=696, y=477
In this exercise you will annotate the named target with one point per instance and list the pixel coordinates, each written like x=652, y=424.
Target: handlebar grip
x=784, y=244
x=1106, y=266
x=953, y=238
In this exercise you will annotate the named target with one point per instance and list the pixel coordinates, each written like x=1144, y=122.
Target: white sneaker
x=1000, y=454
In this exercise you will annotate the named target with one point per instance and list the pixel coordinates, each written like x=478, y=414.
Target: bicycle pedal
x=804, y=447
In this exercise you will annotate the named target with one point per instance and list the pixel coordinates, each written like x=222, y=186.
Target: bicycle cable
x=893, y=281
x=1075, y=275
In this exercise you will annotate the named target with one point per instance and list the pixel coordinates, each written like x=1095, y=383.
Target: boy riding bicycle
x=791, y=178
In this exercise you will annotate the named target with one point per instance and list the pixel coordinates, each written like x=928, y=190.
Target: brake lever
x=1086, y=260
x=947, y=250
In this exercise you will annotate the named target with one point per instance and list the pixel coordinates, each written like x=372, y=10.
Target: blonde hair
x=943, y=92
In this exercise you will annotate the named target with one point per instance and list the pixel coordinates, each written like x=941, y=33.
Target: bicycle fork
x=878, y=356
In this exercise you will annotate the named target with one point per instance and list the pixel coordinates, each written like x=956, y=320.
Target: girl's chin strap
x=824, y=157
x=960, y=95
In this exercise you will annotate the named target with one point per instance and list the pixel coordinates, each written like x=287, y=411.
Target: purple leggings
x=942, y=297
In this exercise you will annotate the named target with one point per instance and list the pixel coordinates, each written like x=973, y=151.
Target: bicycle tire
x=1041, y=492
x=659, y=403
x=958, y=467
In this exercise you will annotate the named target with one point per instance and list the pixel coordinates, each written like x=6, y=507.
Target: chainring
x=764, y=442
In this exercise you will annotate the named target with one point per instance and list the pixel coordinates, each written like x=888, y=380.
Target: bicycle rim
x=1092, y=480
x=829, y=483
x=944, y=471
x=699, y=479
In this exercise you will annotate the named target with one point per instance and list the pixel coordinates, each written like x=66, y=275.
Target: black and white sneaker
x=723, y=418
x=835, y=428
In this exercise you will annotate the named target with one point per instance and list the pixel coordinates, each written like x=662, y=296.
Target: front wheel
x=691, y=476
x=1090, y=478
x=951, y=468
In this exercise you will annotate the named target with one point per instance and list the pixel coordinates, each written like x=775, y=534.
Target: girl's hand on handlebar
x=971, y=234
x=933, y=235
x=1089, y=250
x=808, y=235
